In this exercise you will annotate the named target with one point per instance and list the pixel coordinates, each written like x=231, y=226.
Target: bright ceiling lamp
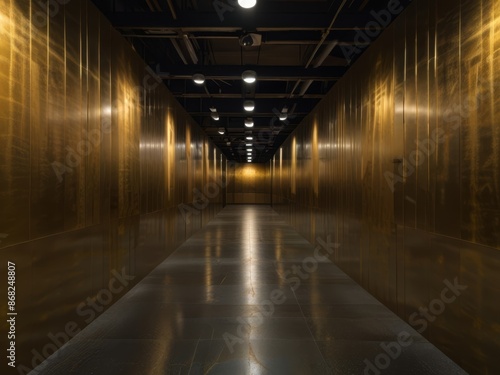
x=249, y=150
x=249, y=138
x=283, y=115
x=248, y=122
x=199, y=78
x=249, y=145
x=214, y=114
x=249, y=76
x=247, y=3
x=222, y=130
x=249, y=105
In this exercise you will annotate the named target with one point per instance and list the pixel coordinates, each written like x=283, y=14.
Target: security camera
x=250, y=40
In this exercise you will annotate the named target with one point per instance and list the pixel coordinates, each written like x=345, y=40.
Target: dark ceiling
x=305, y=47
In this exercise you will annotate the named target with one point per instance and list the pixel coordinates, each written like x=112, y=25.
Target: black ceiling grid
x=298, y=49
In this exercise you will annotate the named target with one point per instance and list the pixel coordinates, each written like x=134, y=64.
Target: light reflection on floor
x=178, y=319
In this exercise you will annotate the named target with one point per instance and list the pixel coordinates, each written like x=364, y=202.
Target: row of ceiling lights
x=248, y=76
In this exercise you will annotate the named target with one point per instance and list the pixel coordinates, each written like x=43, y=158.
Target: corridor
x=247, y=294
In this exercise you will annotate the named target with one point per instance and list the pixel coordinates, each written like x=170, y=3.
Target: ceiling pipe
x=190, y=48
x=321, y=59
x=323, y=38
x=305, y=86
x=179, y=51
x=326, y=52
x=157, y=5
x=150, y=6
x=172, y=9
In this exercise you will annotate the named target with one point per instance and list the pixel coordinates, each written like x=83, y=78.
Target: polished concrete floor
x=248, y=295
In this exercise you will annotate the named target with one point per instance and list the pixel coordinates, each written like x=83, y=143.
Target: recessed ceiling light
x=198, y=78
x=215, y=116
x=249, y=76
x=249, y=145
x=249, y=138
x=283, y=116
x=248, y=122
x=249, y=105
x=247, y=3
x=222, y=130
x=249, y=150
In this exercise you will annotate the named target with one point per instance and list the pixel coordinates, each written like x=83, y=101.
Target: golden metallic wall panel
x=249, y=183
x=408, y=145
x=95, y=159
x=14, y=124
x=448, y=106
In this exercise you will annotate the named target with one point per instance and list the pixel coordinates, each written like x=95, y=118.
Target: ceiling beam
x=346, y=38
x=235, y=21
x=236, y=104
x=264, y=73
x=241, y=114
x=194, y=95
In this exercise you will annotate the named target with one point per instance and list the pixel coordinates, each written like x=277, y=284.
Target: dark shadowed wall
x=400, y=164
x=95, y=158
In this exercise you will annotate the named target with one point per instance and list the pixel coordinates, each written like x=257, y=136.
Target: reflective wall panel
x=102, y=173
x=400, y=164
x=249, y=183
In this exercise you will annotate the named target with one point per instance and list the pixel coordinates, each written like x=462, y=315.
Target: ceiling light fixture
x=284, y=114
x=199, y=78
x=249, y=76
x=249, y=123
x=249, y=145
x=249, y=138
x=249, y=105
x=247, y=3
x=215, y=116
x=222, y=130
